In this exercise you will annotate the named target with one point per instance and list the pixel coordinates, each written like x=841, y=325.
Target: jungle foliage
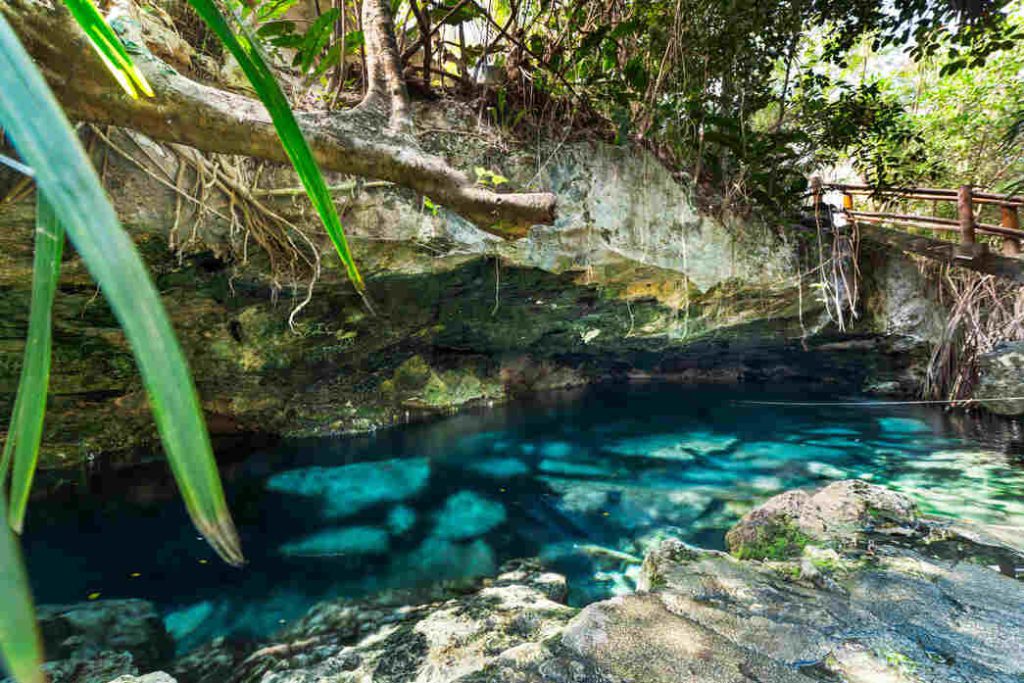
x=741, y=97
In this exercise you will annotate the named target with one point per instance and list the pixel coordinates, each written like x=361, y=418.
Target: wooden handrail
x=966, y=223
x=925, y=193
x=943, y=224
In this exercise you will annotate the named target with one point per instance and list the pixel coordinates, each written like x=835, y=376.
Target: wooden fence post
x=969, y=247
x=1011, y=246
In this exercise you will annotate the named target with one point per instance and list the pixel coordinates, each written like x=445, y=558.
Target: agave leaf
x=45, y=140
x=246, y=52
x=20, y=649
x=109, y=47
x=26, y=430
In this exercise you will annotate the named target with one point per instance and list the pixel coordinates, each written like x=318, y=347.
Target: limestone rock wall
x=630, y=280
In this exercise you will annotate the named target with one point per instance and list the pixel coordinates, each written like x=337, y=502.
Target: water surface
x=584, y=481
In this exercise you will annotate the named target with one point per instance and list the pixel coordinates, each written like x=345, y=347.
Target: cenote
x=586, y=481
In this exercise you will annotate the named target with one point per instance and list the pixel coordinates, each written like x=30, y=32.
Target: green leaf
x=246, y=52
x=26, y=430
x=275, y=28
x=45, y=140
x=316, y=38
x=354, y=40
x=20, y=648
x=332, y=58
x=109, y=47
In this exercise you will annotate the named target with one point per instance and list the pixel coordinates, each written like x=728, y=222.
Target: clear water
x=587, y=482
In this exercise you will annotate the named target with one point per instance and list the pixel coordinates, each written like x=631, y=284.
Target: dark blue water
x=586, y=481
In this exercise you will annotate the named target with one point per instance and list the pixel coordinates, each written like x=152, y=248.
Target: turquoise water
x=586, y=481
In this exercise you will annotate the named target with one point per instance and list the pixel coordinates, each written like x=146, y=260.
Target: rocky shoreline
x=845, y=584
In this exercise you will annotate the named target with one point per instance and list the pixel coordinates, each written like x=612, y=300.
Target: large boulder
x=840, y=514
x=891, y=615
x=1001, y=376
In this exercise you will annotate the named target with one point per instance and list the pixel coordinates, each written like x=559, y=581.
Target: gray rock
x=387, y=641
x=841, y=514
x=96, y=641
x=156, y=677
x=1001, y=375
x=895, y=615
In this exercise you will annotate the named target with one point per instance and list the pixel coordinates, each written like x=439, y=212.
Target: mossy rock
x=772, y=542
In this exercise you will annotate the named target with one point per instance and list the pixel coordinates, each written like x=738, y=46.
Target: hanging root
x=225, y=187
x=838, y=270
x=983, y=312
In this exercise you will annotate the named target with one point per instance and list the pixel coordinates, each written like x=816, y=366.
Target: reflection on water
x=586, y=482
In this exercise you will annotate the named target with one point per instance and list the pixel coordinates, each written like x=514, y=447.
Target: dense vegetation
x=742, y=98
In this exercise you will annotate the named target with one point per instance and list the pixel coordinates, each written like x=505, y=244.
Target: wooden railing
x=966, y=223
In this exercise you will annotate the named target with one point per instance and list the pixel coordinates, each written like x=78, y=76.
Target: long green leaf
x=45, y=140
x=26, y=430
x=20, y=649
x=109, y=47
x=246, y=52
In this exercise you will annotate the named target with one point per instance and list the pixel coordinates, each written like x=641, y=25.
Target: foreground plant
x=71, y=196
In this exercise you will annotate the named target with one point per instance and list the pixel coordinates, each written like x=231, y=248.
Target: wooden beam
x=945, y=252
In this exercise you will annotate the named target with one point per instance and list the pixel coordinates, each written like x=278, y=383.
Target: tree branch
x=364, y=141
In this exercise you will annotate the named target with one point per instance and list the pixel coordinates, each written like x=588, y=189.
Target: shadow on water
x=587, y=481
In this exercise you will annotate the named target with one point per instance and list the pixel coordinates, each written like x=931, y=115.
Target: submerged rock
x=682, y=446
x=466, y=515
x=349, y=489
x=355, y=540
x=500, y=468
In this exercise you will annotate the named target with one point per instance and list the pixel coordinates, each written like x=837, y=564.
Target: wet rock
x=841, y=514
x=99, y=640
x=1001, y=376
x=444, y=640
